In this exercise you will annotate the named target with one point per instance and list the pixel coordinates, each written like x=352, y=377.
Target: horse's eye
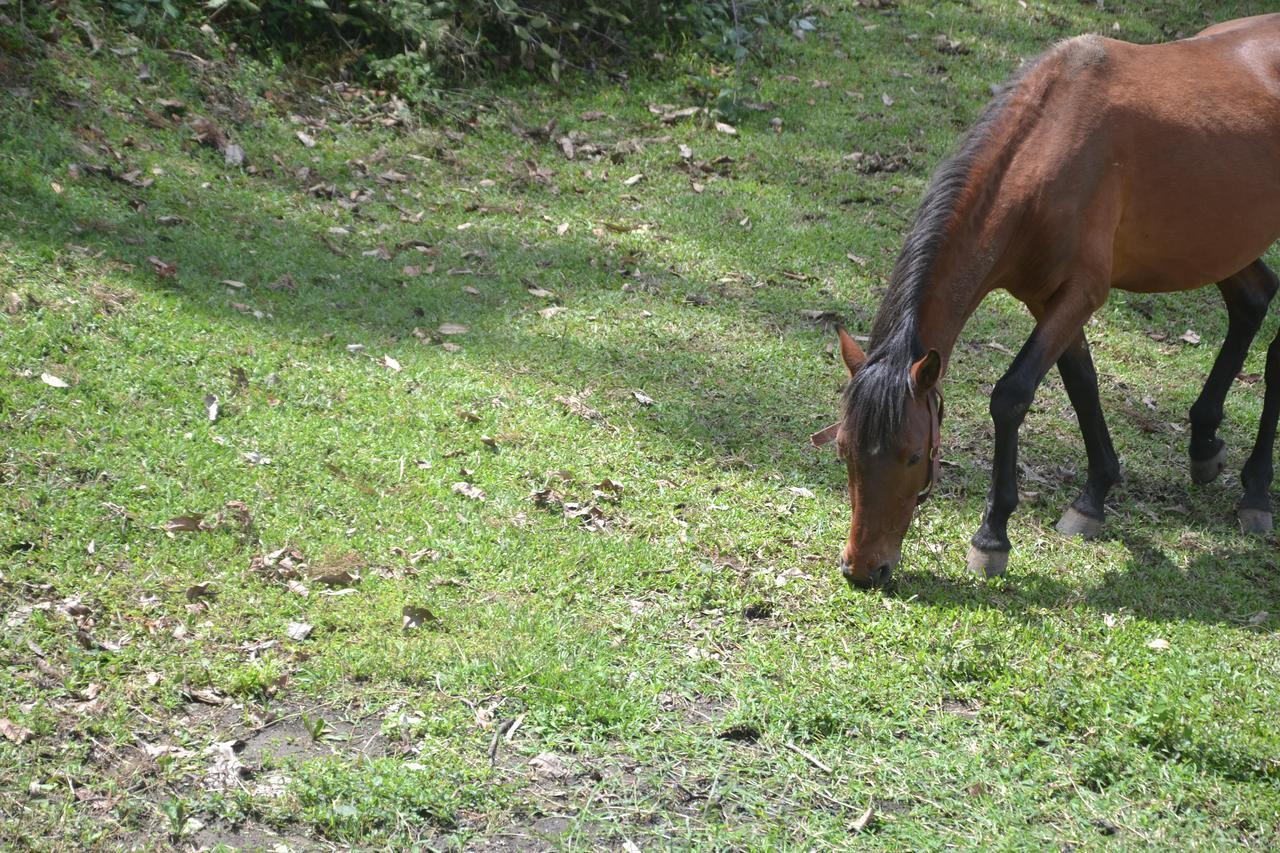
x=915, y=457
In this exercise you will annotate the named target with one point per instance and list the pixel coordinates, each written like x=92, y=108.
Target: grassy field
x=476, y=511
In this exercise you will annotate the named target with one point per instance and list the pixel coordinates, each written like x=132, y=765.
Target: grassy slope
x=1029, y=710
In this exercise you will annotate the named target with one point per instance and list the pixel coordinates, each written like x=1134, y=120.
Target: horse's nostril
x=882, y=574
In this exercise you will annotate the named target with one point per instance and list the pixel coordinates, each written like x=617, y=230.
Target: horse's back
x=1192, y=132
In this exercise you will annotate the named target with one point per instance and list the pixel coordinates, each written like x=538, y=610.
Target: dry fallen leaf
x=675, y=115
x=306, y=140
x=451, y=329
x=53, y=381
x=642, y=398
x=801, y=491
x=206, y=696
x=14, y=732
x=726, y=128
x=204, y=589
x=87, y=640
x=184, y=523
x=211, y=407
x=1190, y=337
x=334, y=576
x=633, y=180
x=226, y=772
x=562, y=228
x=1158, y=644
x=862, y=821
x=413, y=618
x=468, y=490
x=534, y=290
x=164, y=269
x=575, y=405
x=389, y=362
x=233, y=284
x=549, y=765
x=548, y=313
x=299, y=631
x=607, y=490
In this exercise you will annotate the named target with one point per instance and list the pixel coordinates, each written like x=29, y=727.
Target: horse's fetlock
x=1205, y=414
x=1108, y=473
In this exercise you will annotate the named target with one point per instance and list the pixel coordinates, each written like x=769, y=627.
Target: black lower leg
x=1010, y=401
x=1247, y=294
x=1257, y=473
x=1081, y=381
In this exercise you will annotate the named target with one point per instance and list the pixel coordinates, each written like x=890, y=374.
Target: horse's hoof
x=988, y=564
x=1254, y=521
x=1076, y=523
x=1207, y=470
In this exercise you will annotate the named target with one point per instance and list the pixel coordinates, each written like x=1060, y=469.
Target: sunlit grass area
x=411, y=482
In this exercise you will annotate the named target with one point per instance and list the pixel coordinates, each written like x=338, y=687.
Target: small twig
x=186, y=54
x=515, y=726
x=810, y=757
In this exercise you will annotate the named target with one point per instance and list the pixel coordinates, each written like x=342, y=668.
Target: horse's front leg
x=1058, y=325
x=1247, y=294
x=1085, y=515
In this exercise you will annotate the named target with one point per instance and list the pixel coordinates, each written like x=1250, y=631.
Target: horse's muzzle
x=876, y=578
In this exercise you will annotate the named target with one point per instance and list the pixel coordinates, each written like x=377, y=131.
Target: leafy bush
x=419, y=46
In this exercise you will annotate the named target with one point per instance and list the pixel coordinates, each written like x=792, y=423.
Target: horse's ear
x=850, y=352
x=925, y=372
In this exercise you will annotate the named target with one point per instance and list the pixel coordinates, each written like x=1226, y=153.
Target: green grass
x=692, y=658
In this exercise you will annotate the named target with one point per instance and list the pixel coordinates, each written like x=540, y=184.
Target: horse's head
x=890, y=449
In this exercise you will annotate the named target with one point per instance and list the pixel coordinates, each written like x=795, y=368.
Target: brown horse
x=1103, y=164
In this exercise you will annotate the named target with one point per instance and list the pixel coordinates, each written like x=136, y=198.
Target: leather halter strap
x=935, y=445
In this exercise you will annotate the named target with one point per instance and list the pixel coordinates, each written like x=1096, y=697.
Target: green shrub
x=420, y=46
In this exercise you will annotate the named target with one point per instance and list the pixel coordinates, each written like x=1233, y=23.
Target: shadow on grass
x=1225, y=584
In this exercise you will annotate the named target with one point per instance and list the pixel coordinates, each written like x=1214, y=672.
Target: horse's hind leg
x=1254, y=511
x=1247, y=294
x=1084, y=516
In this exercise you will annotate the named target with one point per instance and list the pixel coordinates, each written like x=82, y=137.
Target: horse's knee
x=1010, y=401
x=1268, y=282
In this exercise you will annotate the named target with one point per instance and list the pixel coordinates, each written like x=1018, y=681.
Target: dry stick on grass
x=810, y=757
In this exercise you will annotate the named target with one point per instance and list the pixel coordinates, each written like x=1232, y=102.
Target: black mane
x=874, y=402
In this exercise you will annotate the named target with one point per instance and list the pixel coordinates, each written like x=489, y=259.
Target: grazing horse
x=1103, y=164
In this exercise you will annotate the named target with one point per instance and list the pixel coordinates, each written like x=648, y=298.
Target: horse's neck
x=960, y=279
